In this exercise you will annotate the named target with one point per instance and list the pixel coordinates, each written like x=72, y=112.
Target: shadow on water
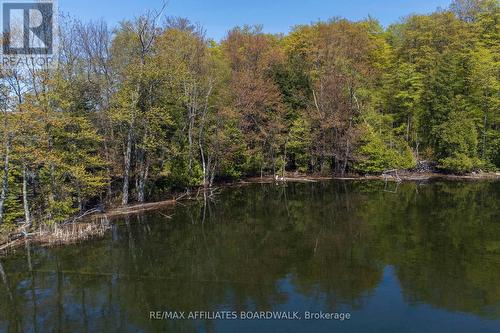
x=425, y=257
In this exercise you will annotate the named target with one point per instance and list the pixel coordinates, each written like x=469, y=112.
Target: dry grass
x=71, y=233
x=58, y=234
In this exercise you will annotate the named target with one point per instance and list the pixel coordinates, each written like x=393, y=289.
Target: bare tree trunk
x=143, y=177
x=79, y=199
x=201, y=138
x=202, y=152
x=408, y=130
x=483, y=153
x=5, y=181
x=109, y=190
x=283, y=171
x=143, y=170
x=348, y=148
x=212, y=171
x=204, y=165
x=26, y=205
x=191, y=118
x=126, y=176
x=52, y=194
x=417, y=146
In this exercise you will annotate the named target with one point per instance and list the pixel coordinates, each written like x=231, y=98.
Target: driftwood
x=129, y=210
x=298, y=180
x=11, y=244
x=14, y=236
x=79, y=217
x=392, y=173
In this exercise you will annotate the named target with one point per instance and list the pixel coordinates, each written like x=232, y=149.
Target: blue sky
x=218, y=16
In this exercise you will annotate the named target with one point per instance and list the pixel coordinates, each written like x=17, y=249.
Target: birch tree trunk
x=191, y=118
x=5, y=181
x=204, y=165
x=126, y=175
x=483, y=152
x=26, y=205
x=143, y=177
x=201, y=138
x=109, y=190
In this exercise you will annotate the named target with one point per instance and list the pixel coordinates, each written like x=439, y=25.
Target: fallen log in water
x=392, y=173
x=128, y=210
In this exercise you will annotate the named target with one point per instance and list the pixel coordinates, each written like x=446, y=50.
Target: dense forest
x=152, y=106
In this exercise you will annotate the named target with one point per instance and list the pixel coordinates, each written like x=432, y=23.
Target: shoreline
x=95, y=225
x=402, y=175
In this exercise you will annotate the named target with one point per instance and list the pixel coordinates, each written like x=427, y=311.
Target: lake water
x=409, y=258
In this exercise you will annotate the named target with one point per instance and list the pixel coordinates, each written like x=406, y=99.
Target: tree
x=470, y=10
x=256, y=97
x=457, y=143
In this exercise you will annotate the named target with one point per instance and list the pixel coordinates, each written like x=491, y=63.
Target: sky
x=278, y=16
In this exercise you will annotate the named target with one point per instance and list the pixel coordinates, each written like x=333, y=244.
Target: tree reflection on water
x=267, y=247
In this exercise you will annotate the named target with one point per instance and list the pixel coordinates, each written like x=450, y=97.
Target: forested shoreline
x=152, y=106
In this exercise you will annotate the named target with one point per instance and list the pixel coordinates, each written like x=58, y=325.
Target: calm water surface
x=416, y=258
